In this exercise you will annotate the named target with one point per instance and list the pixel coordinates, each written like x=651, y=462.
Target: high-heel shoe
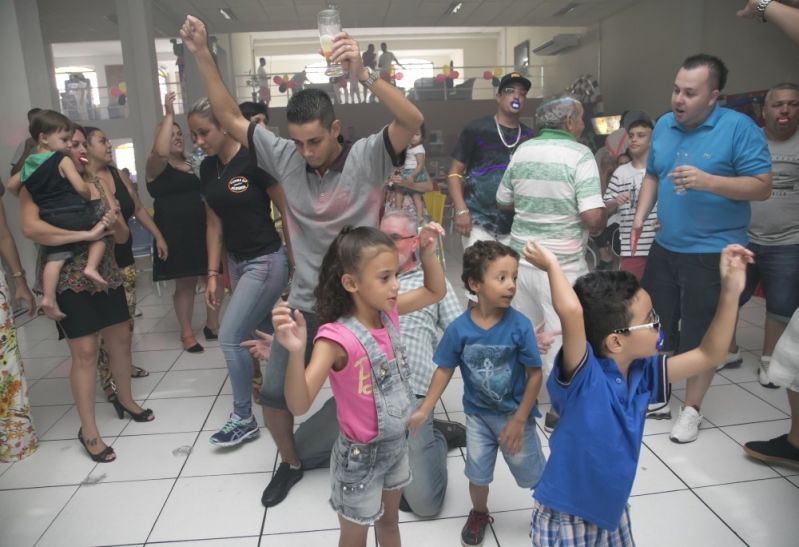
x=106, y=456
x=196, y=348
x=209, y=334
x=145, y=415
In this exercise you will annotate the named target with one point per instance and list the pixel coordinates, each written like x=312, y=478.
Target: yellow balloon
x=123, y=87
x=446, y=70
x=498, y=72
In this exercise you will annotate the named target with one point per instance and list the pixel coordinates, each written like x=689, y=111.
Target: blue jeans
x=257, y=284
x=777, y=268
x=427, y=451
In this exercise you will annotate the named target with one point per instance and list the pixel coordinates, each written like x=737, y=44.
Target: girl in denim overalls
x=358, y=348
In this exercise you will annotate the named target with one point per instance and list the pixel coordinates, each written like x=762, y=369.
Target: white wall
x=643, y=46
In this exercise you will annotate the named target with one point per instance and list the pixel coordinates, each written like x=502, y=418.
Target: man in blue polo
x=705, y=165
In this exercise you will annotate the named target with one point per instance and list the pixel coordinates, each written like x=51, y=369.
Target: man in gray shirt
x=328, y=185
x=774, y=228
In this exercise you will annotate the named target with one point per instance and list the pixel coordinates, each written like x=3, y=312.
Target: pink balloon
x=115, y=92
x=278, y=80
x=398, y=76
x=487, y=75
x=453, y=74
x=440, y=78
x=291, y=84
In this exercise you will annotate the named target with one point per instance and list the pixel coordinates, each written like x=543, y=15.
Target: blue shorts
x=550, y=528
x=777, y=268
x=360, y=472
x=482, y=443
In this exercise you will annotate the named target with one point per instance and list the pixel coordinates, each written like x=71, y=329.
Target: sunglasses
x=654, y=324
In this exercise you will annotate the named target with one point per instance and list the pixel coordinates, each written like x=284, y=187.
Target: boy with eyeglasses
x=607, y=373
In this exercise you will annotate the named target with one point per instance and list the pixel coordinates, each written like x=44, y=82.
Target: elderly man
x=705, y=165
x=428, y=448
x=552, y=185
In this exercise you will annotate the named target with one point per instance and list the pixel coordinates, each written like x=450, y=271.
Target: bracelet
x=213, y=274
x=18, y=274
x=760, y=10
x=455, y=175
x=462, y=212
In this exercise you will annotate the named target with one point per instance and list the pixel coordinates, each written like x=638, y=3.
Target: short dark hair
x=606, y=298
x=477, y=258
x=641, y=123
x=784, y=86
x=310, y=105
x=89, y=130
x=32, y=112
x=251, y=108
x=344, y=256
x=48, y=122
x=715, y=66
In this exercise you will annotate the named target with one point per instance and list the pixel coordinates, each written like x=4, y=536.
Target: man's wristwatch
x=461, y=212
x=760, y=10
x=371, y=79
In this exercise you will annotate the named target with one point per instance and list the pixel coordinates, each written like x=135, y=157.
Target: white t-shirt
x=410, y=156
x=627, y=178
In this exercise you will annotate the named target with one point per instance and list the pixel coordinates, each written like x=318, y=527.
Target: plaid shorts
x=550, y=528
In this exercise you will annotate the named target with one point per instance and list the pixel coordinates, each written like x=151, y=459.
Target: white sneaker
x=762, y=372
x=658, y=411
x=732, y=360
x=686, y=428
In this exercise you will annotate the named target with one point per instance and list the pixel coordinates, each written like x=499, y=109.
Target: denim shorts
x=776, y=267
x=482, y=443
x=360, y=472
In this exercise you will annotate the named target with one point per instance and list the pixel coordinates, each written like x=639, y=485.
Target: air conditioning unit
x=558, y=44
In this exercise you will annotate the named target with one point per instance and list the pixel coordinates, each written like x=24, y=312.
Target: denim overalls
x=360, y=472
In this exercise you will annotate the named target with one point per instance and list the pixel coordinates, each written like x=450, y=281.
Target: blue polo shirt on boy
x=595, y=448
x=727, y=144
x=492, y=361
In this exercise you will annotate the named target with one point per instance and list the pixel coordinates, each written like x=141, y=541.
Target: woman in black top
x=180, y=215
x=119, y=187
x=238, y=198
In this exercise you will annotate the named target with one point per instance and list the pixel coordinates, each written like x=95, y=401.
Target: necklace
x=499, y=132
x=219, y=161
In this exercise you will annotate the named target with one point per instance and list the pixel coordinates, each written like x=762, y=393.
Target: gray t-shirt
x=319, y=207
x=776, y=220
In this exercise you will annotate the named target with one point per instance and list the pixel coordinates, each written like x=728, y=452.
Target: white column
x=141, y=76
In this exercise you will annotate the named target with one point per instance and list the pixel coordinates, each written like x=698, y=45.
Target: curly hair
x=606, y=298
x=477, y=258
x=344, y=256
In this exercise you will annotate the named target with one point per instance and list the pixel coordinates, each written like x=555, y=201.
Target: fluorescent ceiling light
x=227, y=13
x=453, y=8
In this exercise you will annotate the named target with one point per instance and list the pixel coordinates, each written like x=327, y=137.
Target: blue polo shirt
x=595, y=447
x=492, y=361
x=727, y=144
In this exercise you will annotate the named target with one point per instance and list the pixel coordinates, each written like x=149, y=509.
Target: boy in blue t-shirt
x=606, y=374
x=495, y=347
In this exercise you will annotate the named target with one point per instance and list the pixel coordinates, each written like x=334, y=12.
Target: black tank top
x=123, y=252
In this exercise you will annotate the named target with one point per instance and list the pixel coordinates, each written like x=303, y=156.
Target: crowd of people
x=345, y=292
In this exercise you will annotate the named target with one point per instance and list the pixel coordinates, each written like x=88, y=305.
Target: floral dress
x=17, y=435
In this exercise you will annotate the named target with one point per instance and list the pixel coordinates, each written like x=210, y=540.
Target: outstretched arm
x=566, y=305
x=438, y=384
x=783, y=15
x=159, y=155
x=713, y=349
x=224, y=106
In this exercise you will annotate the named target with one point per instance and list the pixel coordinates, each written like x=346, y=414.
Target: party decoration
x=440, y=77
x=398, y=76
x=115, y=92
x=291, y=84
x=123, y=87
x=445, y=69
x=498, y=72
x=453, y=75
x=487, y=75
x=278, y=80
x=282, y=88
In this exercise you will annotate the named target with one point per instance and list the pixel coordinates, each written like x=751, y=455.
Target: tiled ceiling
x=88, y=20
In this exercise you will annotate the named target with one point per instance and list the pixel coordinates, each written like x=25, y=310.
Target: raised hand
x=194, y=34
x=169, y=103
x=732, y=267
x=428, y=236
x=539, y=256
x=544, y=339
x=290, y=328
x=345, y=51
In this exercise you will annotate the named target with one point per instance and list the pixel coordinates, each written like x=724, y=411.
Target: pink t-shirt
x=352, y=385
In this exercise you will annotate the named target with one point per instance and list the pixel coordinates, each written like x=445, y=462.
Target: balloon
x=282, y=88
x=291, y=84
x=498, y=72
x=123, y=87
x=398, y=76
x=453, y=75
x=278, y=80
x=115, y=92
x=446, y=70
x=495, y=81
x=487, y=75
x=440, y=77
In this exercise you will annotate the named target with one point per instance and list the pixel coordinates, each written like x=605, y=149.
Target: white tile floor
x=169, y=486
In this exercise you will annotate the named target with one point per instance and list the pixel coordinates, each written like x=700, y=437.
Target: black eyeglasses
x=399, y=237
x=655, y=324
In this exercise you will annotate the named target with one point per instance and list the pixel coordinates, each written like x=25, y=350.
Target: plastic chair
x=434, y=203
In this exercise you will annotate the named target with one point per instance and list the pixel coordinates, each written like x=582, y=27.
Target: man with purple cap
x=481, y=155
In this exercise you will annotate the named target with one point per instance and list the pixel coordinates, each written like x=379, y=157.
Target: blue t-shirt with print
x=492, y=361
x=727, y=144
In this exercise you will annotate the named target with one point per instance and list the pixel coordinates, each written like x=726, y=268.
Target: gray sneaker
x=235, y=432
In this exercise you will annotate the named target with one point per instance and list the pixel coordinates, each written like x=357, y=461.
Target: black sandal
x=209, y=334
x=145, y=415
x=106, y=456
x=138, y=372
